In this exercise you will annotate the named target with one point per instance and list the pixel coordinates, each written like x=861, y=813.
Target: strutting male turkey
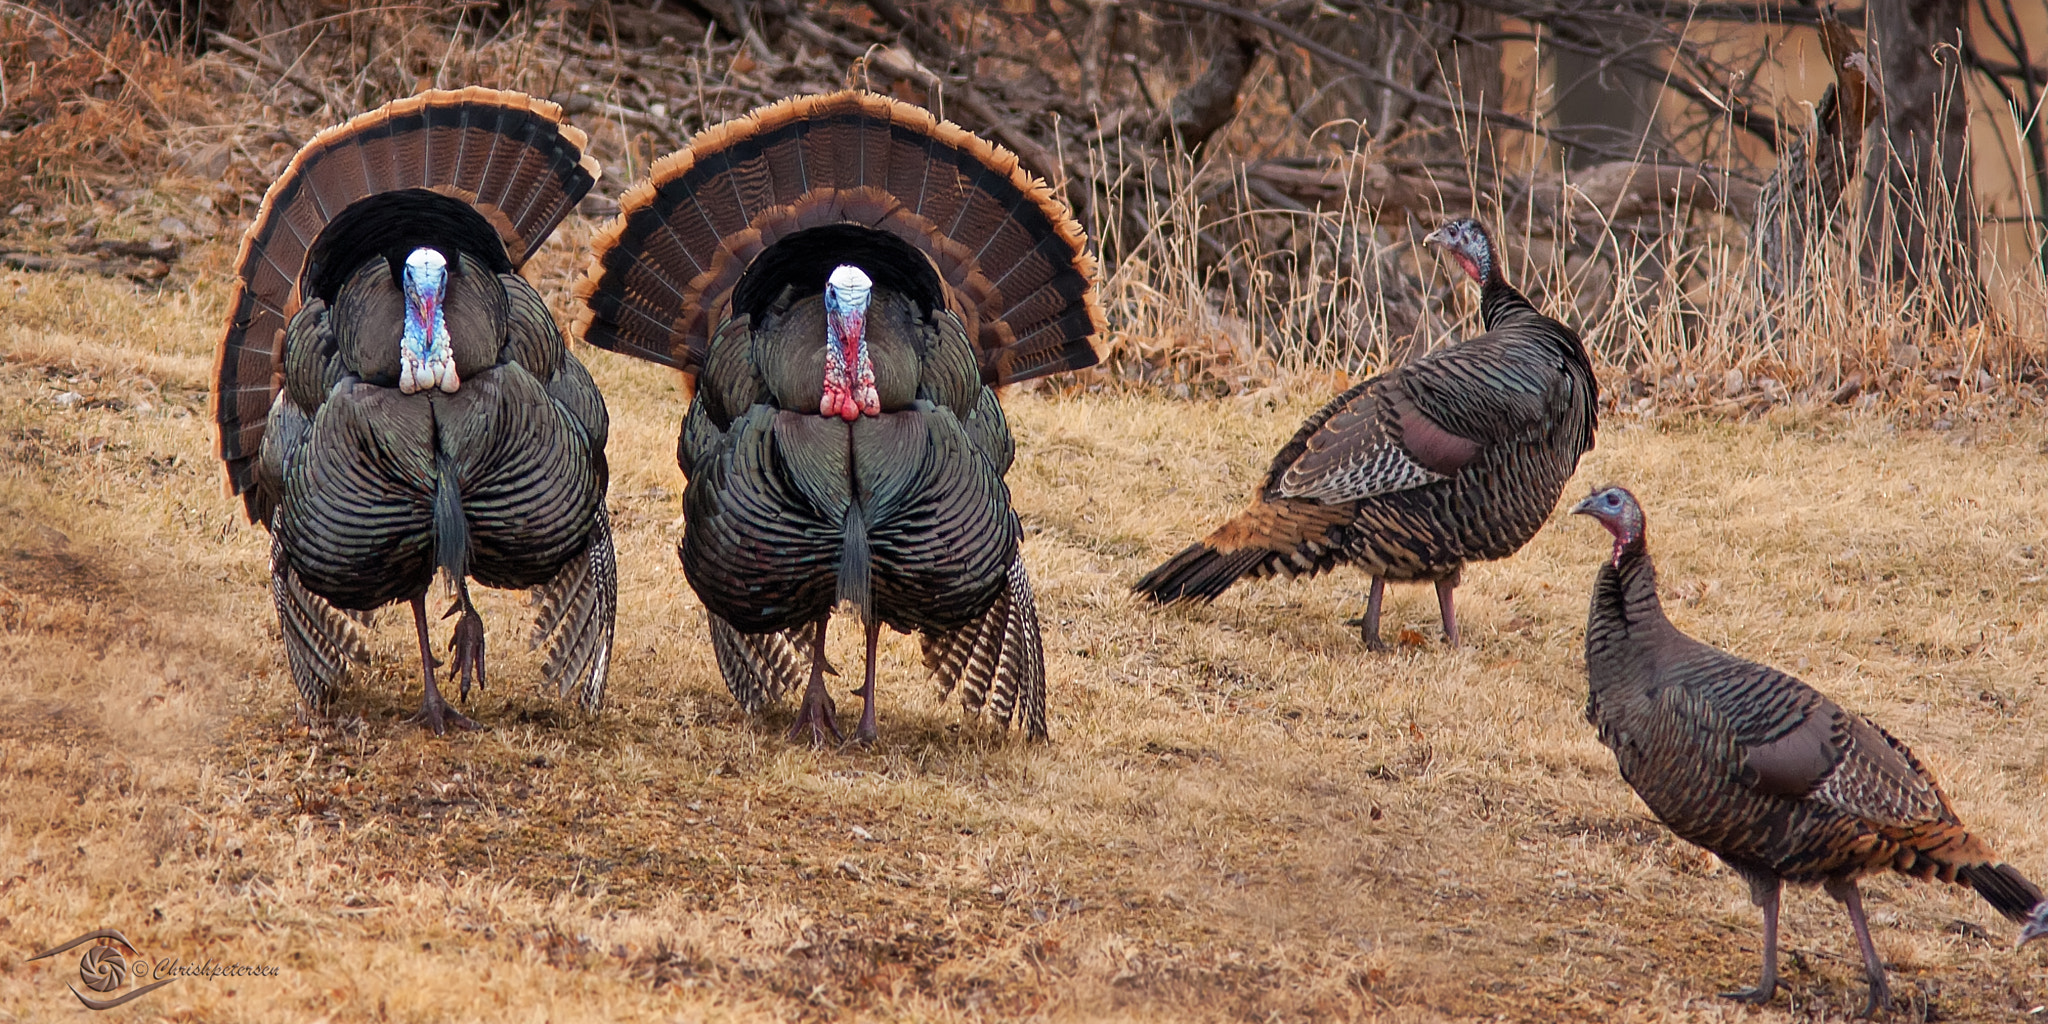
x=844, y=279
x=1456, y=457
x=1761, y=769
x=394, y=399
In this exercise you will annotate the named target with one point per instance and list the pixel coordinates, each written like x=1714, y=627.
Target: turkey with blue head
x=394, y=400
x=844, y=280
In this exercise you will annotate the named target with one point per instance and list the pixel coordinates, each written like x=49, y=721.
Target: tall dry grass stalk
x=1669, y=298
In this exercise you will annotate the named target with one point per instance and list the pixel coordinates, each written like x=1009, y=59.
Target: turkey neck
x=1627, y=622
x=1499, y=300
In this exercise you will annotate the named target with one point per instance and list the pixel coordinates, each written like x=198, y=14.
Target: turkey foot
x=865, y=734
x=434, y=712
x=1369, y=623
x=1764, y=893
x=468, y=642
x=1873, y=965
x=1447, y=609
x=817, y=715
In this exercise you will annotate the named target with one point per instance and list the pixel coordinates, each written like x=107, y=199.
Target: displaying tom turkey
x=1456, y=457
x=1780, y=782
x=843, y=279
x=394, y=400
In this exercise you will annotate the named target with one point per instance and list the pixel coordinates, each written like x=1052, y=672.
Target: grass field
x=1242, y=814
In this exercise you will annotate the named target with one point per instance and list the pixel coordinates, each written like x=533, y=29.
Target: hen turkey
x=844, y=279
x=394, y=400
x=1457, y=457
x=1777, y=780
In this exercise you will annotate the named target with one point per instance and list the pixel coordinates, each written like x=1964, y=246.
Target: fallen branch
x=270, y=64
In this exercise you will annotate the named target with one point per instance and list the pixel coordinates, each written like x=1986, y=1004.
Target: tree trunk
x=1923, y=210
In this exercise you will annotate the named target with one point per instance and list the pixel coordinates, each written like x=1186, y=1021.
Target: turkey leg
x=865, y=735
x=815, y=718
x=468, y=642
x=1880, y=990
x=1764, y=891
x=434, y=712
x=1447, y=609
x=1369, y=623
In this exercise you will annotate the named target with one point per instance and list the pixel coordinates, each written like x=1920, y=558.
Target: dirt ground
x=1242, y=814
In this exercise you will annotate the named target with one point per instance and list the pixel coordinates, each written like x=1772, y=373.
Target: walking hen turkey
x=1456, y=457
x=394, y=399
x=1761, y=769
x=843, y=279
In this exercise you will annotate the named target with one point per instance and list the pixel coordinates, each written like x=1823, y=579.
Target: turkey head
x=1616, y=509
x=848, y=390
x=421, y=323
x=1468, y=243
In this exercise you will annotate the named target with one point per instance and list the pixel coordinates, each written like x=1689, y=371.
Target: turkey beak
x=1586, y=507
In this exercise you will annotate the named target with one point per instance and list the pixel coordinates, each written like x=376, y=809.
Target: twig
x=920, y=33
x=1371, y=74
x=268, y=63
x=892, y=61
x=163, y=119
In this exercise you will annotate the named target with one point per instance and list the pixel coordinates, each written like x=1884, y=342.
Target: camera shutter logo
x=104, y=968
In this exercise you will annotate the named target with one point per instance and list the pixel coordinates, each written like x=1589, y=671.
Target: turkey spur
x=1457, y=457
x=1777, y=780
x=844, y=279
x=394, y=400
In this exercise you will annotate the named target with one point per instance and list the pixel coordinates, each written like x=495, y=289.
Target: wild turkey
x=1777, y=780
x=394, y=399
x=1456, y=457
x=842, y=279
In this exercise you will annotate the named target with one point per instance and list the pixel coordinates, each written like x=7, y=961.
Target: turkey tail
x=762, y=667
x=2004, y=888
x=487, y=172
x=1287, y=537
x=786, y=193
x=997, y=660
x=576, y=609
x=321, y=642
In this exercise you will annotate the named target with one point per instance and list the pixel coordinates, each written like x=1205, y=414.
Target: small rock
x=174, y=227
x=22, y=210
x=68, y=399
x=851, y=870
x=1850, y=389
x=1732, y=382
x=1985, y=382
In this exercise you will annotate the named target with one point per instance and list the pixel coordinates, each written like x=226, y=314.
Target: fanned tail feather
x=321, y=642
x=762, y=667
x=937, y=213
x=500, y=165
x=576, y=610
x=998, y=660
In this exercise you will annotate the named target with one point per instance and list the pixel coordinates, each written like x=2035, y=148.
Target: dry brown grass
x=1242, y=815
